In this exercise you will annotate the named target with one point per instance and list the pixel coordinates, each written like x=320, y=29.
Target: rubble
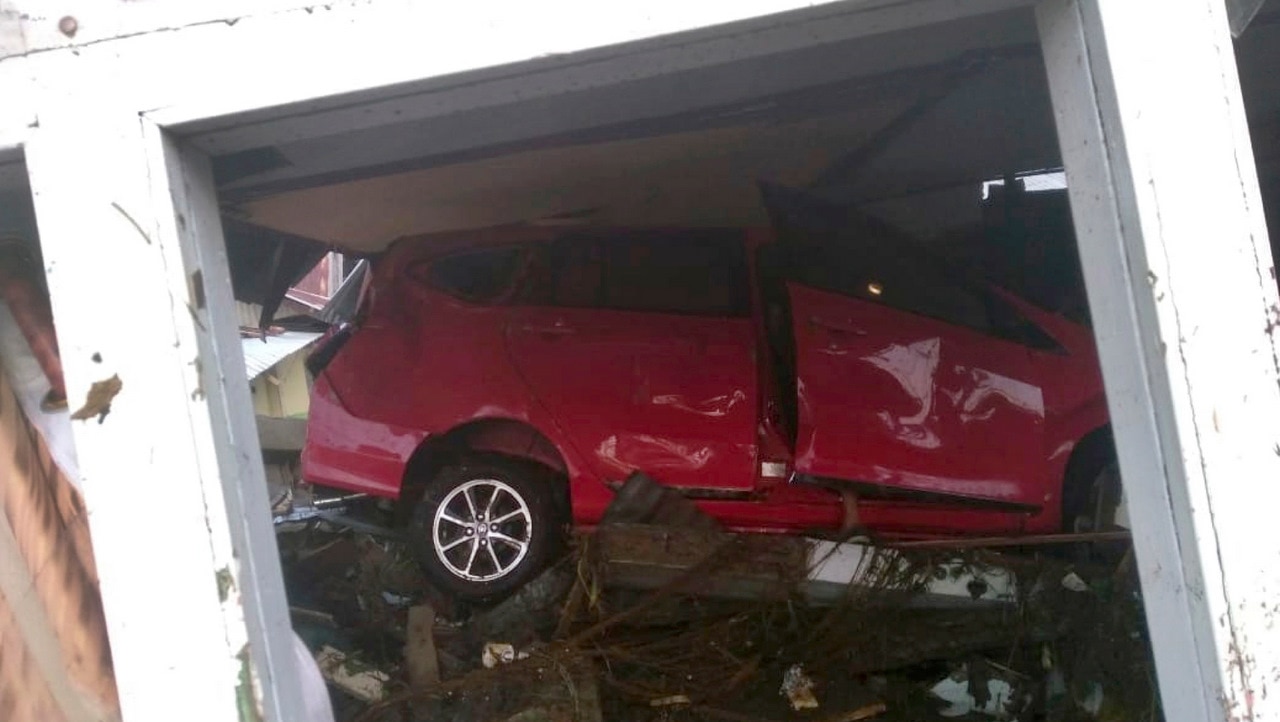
x=496, y=653
x=674, y=700
x=698, y=630
x=360, y=681
x=1073, y=582
x=422, y=665
x=966, y=692
x=875, y=709
x=797, y=687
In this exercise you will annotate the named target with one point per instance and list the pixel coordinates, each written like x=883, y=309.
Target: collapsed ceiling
x=699, y=177
x=681, y=149
x=914, y=123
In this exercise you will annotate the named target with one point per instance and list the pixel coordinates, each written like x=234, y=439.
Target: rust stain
x=98, y=402
x=51, y=533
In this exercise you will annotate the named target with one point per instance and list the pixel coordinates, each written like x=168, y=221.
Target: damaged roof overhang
x=685, y=148
x=656, y=149
x=265, y=263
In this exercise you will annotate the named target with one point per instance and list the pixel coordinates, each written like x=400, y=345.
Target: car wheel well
x=1094, y=451
x=501, y=437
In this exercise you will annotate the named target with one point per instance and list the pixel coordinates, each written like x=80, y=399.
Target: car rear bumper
x=347, y=452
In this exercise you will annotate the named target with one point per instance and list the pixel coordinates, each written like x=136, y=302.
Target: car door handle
x=838, y=327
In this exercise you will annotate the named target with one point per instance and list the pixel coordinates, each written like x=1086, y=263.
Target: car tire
x=453, y=533
x=1092, y=507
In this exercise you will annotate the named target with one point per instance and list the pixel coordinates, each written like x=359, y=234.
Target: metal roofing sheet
x=260, y=354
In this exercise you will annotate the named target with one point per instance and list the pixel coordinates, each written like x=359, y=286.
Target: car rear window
x=476, y=276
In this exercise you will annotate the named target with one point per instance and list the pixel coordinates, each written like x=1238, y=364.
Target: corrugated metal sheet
x=55, y=662
x=260, y=354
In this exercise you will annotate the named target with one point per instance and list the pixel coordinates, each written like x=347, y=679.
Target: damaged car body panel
x=920, y=381
x=642, y=348
x=771, y=375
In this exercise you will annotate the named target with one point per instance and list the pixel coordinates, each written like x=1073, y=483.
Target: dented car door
x=642, y=348
x=903, y=379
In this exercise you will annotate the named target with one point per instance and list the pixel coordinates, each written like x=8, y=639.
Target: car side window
x=481, y=277
x=566, y=273
x=700, y=273
x=865, y=267
x=694, y=272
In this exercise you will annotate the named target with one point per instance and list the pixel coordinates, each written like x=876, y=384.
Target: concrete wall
x=290, y=397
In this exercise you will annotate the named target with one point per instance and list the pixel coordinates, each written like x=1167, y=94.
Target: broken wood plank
x=587, y=694
x=642, y=556
x=1014, y=541
x=645, y=556
x=421, y=662
x=357, y=679
x=874, y=709
x=302, y=614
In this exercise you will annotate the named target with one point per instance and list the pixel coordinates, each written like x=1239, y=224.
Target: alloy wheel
x=482, y=529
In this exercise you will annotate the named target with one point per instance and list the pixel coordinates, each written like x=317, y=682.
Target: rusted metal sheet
x=55, y=661
x=260, y=354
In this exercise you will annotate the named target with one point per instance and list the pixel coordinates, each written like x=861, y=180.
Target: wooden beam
x=420, y=647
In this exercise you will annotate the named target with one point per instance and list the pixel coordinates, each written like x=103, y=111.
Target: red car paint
x=939, y=428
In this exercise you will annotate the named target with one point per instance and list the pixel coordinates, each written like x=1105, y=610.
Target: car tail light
x=328, y=347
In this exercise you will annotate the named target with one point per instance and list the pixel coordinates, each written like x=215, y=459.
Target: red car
x=504, y=382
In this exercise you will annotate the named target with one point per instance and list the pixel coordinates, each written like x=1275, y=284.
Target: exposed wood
x=313, y=616
x=746, y=566
x=728, y=715
x=586, y=694
x=420, y=647
x=1014, y=541
x=650, y=557
x=874, y=709
x=671, y=586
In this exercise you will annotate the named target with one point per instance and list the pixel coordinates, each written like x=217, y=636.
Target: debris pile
x=725, y=627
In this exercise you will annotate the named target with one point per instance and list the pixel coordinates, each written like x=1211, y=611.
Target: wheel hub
x=473, y=515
